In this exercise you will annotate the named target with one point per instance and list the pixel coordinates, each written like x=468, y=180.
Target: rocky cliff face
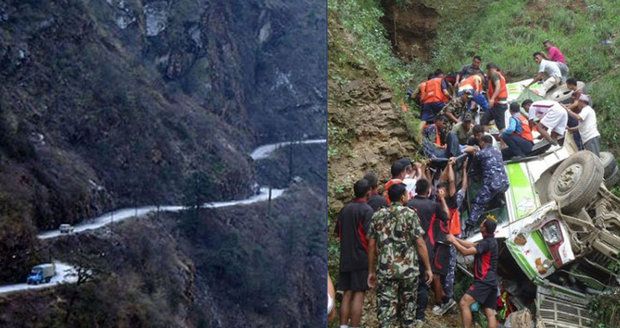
x=114, y=103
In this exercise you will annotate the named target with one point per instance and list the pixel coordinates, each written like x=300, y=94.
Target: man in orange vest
x=498, y=95
x=473, y=82
x=420, y=91
x=436, y=95
x=468, y=70
x=517, y=136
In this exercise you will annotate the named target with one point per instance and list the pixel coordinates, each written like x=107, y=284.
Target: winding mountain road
x=265, y=151
x=66, y=273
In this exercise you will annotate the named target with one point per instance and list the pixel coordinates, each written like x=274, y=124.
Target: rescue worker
x=554, y=54
x=469, y=70
x=431, y=214
x=420, y=91
x=440, y=261
x=455, y=201
x=375, y=200
x=552, y=125
x=476, y=100
x=498, y=95
x=548, y=72
x=517, y=136
x=573, y=103
x=399, y=172
x=478, y=132
x=412, y=174
x=351, y=227
x=484, y=289
x=488, y=161
x=438, y=142
x=587, y=126
x=464, y=130
x=394, y=244
x=472, y=82
x=536, y=110
x=455, y=108
x=436, y=95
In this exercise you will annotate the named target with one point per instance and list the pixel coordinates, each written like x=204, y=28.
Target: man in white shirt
x=548, y=71
x=537, y=109
x=552, y=125
x=587, y=127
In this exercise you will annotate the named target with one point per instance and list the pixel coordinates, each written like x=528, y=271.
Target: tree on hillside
x=199, y=188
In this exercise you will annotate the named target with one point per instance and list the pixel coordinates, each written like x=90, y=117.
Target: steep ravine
x=109, y=104
x=192, y=247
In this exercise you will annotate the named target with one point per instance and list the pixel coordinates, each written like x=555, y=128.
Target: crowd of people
x=403, y=241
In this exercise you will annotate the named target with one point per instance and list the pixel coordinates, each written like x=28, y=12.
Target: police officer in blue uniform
x=494, y=179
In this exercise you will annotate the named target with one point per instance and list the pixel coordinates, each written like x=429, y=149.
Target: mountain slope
x=108, y=104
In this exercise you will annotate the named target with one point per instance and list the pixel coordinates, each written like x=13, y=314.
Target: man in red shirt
x=351, y=228
x=484, y=289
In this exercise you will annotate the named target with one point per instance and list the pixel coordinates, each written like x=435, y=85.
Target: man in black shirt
x=352, y=225
x=433, y=216
x=484, y=288
x=375, y=200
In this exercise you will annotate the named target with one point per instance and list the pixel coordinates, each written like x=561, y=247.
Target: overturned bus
x=558, y=232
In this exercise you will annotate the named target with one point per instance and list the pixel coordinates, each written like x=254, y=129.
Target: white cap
x=585, y=98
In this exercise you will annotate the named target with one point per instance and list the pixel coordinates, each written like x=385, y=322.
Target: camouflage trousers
x=479, y=205
x=397, y=302
x=448, y=286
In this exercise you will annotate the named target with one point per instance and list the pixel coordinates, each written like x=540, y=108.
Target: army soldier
x=395, y=241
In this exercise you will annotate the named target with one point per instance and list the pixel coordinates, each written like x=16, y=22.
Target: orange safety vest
x=526, y=132
x=422, y=88
x=433, y=92
x=475, y=81
x=503, y=93
x=454, y=223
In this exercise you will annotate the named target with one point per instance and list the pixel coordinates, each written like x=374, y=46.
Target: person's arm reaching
x=451, y=177
x=418, y=170
x=462, y=246
x=538, y=77
x=465, y=183
x=372, y=269
x=423, y=253
x=445, y=89
x=417, y=92
x=544, y=133
x=573, y=114
x=445, y=211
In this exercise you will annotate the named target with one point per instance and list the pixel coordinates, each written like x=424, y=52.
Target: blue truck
x=42, y=273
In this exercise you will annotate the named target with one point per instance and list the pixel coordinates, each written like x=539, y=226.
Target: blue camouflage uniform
x=479, y=99
x=494, y=181
x=448, y=286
